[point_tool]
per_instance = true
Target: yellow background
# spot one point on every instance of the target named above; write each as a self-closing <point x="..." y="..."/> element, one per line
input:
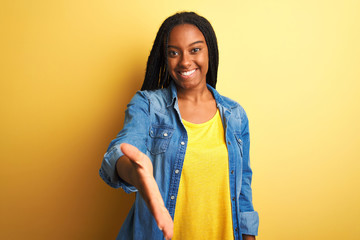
<point x="68" y="69"/>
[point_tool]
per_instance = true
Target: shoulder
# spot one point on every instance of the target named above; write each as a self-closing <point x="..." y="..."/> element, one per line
<point x="228" y="103"/>
<point x="150" y="96"/>
<point x="233" y="106"/>
<point x="238" y="119"/>
<point x="153" y="95"/>
<point x="151" y="100"/>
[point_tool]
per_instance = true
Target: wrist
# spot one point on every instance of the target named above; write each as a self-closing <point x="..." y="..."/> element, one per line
<point x="248" y="237"/>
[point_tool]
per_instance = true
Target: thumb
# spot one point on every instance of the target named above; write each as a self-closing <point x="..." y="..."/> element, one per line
<point x="131" y="152"/>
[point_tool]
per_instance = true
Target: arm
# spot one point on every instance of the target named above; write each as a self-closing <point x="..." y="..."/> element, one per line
<point x="136" y="168"/>
<point x="125" y="165"/>
<point x="249" y="219"/>
<point x="134" y="132"/>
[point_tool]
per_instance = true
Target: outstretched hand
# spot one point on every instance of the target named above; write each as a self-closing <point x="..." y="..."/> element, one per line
<point x="145" y="183"/>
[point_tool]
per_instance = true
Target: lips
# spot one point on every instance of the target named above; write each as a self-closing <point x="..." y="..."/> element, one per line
<point x="187" y="73"/>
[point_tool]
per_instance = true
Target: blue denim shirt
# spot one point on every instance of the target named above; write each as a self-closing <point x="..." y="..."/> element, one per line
<point x="153" y="125"/>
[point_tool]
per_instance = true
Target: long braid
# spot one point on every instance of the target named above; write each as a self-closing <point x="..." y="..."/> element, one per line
<point x="156" y="75"/>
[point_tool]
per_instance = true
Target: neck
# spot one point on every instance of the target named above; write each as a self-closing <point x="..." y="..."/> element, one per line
<point x="194" y="95"/>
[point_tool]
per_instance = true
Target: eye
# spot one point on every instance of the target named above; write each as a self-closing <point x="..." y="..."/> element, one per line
<point x="172" y="53"/>
<point x="195" y="50"/>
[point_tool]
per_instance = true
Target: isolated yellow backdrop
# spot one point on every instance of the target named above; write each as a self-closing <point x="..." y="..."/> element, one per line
<point x="68" y="69"/>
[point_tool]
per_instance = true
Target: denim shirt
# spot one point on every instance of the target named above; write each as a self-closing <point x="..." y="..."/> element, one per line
<point x="153" y="125"/>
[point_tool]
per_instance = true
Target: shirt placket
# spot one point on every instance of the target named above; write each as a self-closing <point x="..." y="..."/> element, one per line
<point x="175" y="176"/>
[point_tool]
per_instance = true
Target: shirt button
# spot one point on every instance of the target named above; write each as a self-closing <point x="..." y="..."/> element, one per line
<point x="172" y="197"/>
<point x="229" y="142"/>
<point x="232" y="171"/>
<point x="236" y="229"/>
<point x="177" y="171"/>
<point x="233" y="198"/>
<point x="165" y="134"/>
<point x="182" y="143"/>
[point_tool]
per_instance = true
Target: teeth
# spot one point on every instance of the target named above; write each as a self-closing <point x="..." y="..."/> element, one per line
<point x="187" y="73"/>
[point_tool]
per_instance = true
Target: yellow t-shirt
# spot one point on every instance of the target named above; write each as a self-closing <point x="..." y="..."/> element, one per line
<point x="203" y="205"/>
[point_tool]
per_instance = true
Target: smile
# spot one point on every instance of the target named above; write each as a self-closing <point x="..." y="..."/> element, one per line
<point x="188" y="73"/>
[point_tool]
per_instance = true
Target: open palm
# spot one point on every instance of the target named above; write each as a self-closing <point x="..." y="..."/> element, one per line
<point x="145" y="183"/>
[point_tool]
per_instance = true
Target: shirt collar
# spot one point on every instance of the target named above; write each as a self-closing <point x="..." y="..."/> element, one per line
<point x="218" y="98"/>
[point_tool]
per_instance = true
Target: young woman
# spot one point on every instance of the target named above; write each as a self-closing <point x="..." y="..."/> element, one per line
<point x="184" y="148"/>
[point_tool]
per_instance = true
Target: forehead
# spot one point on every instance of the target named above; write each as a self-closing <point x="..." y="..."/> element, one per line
<point x="185" y="34"/>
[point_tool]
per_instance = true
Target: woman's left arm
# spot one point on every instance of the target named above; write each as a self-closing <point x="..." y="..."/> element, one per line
<point x="249" y="219"/>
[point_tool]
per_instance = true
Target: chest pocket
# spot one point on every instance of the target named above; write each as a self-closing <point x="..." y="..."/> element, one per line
<point x="240" y="142"/>
<point x="159" y="140"/>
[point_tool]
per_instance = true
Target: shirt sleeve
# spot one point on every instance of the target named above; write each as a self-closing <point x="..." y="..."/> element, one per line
<point x="249" y="219"/>
<point x="135" y="131"/>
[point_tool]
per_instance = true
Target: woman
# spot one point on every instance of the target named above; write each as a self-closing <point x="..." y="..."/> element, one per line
<point x="184" y="148"/>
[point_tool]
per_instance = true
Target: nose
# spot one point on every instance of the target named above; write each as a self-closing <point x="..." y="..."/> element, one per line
<point x="185" y="60"/>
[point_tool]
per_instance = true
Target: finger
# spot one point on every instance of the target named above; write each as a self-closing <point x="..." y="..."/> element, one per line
<point x="165" y="223"/>
<point x="131" y="152"/>
<point x="168" y="231"/>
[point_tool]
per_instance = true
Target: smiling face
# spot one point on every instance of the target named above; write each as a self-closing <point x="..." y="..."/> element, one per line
<point x="188" y="57"/>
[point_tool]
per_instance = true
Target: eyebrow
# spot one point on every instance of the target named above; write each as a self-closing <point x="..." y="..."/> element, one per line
<point x="172" y="46"/>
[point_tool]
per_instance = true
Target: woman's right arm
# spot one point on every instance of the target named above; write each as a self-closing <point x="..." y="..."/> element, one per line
<point x="136" y="169"/>
<point x="134" y="132"/>
<point x="125" y="165"/>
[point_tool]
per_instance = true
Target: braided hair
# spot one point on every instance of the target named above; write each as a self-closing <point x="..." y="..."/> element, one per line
<point x="156" y="75"/>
